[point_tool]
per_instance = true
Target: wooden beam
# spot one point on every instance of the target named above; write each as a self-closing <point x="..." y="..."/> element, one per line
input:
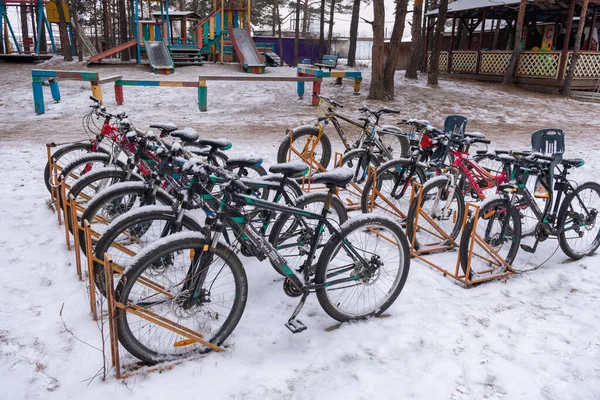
<point x="565" y="50"/>
<point x="576" y="50"/>
<point x="451" y="45"/>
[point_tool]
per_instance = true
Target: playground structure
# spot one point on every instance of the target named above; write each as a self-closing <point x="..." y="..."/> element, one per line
<point x="32" y="48"/>
<point x="179" y="38"/>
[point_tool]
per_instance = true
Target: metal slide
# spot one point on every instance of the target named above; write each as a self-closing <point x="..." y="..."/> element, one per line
<point x="244" y="48"/>
<point x="159" y="57"/>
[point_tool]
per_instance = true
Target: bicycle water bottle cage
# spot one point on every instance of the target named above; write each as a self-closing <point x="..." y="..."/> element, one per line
<point x="455" y="124"/>
<point x="551" y="142"/>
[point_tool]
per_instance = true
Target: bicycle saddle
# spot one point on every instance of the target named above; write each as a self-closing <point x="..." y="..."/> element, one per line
<point x="186" y="135"/>
<point x="242" y="162"/>
<point x="339" y="177"/>
<point x="164" y="128"/>
<point x="572" y="162"/>
<point x="220" y="144"/>
<point x="289" y="168"/>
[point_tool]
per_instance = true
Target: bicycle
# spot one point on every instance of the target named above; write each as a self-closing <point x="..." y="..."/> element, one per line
<point x="201" y="282"/>
<point x="311" y="141"/>
<point x="570" y="213"/>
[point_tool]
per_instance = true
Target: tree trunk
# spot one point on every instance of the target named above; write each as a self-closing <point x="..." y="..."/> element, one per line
<point x="415" y="44"/>
<point x="432" y="77"/>
<point x="33" y="24"/>
<point x="393" y="53"/>
<point x="64" y="35"/>
<point x="273" y="21"/>
<point x="376" y="91"/>
<point x="296" y="33"/>
<point x="322" y="31"/>
<point x="42" y="39"/>
<point x="353" y="33"/>
<point x="330" y="34"/>
<point x="279" y="30"/>
<point x="106" y="26"/>
<point x="24" y="28"/>
<point x="576" y="50"/>
<point x="305" y="18"/>
<point x="512" y="65"/>
<point x="123" y="22"/>
<point x="511" y="34"/>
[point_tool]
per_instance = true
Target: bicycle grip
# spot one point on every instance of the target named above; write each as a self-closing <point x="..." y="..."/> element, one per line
<point x="483" y="141"/>
<point x="92" y="98"/>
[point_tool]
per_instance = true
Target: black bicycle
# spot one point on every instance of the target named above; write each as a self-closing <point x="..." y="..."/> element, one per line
<point x="200" y="282"/>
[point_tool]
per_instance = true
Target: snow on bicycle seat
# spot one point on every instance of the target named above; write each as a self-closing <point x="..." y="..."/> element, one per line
<point x="186" y="135"/>
<point x="289" y="168"/>
<point x="506" y="158"/>
<point x="221" y="144"/>
<point x="165" y="127"/>
<point x="573" y="162"/>
<point x="242" y="162"/>
<point x="477" y="135"/>
<point x="338" y="177"/>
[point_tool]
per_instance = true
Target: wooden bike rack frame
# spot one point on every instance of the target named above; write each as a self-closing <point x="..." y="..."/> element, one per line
<point x="476" y="239"/>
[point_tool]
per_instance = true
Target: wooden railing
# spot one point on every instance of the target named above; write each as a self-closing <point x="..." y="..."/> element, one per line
<point x="531" y="64"/>
<point x="494" y="62"/>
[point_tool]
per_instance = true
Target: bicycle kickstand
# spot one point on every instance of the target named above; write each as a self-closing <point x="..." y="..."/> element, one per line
<point x="294" y="325"/>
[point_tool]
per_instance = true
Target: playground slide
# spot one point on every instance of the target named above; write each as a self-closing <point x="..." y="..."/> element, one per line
<point x="245" y="49"/>
<point x="159" y="58"/>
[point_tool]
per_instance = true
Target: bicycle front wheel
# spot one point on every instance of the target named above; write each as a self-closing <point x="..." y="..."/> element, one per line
<point x="214" y="313"/>
<point x="363" y="270"/>
<point x="579" y="230"/>
<point x="442" y="214"/>
<point x="499" y="226"/>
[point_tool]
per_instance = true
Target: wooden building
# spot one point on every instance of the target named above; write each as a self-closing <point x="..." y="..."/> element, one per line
<point x="479" y="44"/>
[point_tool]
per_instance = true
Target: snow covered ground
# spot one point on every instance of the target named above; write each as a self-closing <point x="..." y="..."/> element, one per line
<point x="533" y="336"/>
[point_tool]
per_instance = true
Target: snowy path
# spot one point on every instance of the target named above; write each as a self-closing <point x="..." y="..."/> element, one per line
<point x="533" y="336"/>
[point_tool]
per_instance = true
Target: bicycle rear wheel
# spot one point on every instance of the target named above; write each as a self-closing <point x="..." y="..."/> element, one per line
<point x="302" y="137"/>
<point x="578" y="223"/>
<point x="373" y="255"/>
<point x="214" y="314"/>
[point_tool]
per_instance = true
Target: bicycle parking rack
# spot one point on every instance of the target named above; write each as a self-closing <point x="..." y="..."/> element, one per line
<point x="448" y="243"/>
<point x="307" y="156"/>
<point x="110" y="268"/>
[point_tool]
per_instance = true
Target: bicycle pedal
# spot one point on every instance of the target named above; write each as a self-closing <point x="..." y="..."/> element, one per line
<point x="527" y="248"/>
<point x="295" y="326"/>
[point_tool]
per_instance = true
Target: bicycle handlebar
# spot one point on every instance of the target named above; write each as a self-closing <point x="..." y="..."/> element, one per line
<point x="327" y="99"/>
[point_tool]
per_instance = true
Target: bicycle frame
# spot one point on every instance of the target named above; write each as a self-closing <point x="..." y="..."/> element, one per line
<point x="475" y="173"/>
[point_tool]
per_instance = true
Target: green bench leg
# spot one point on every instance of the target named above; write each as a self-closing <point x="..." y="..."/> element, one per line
<point x="38" y="97"/>
<point x="202" y="96"/>
<point x="300" y="89"/>
<point x="54" y="90"/>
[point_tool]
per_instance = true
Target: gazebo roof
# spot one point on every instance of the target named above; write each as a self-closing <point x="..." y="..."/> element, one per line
<point x="462" y="5"/>
<point x="547" y="10"/>
<point x="178" y="15"/>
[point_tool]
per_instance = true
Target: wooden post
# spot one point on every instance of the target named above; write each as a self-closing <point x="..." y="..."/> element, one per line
<point x="91" y="273"/>
<point x="589" y="41"/>
<point x="565" y="49"/>
<point x="112" y="319"/>
<point x="300" y="89"/>
<point x="38" y="95"/>
<point x="451" y="45"/>
<point x="119" y="94"/>
<point x="97" y="91"/>
<point x="202" y="96"/>
<point x="576" y="50"/>
<point x="75" y="227"/>
<point x="54" y="89"/>
<point x="514" y="58"/>
<point x="357" y="82"/>
<point x="478" y="66"/>
<point x="248" y="20"/>
<point x="222" y="36"/>
<point x="316" y="90"/>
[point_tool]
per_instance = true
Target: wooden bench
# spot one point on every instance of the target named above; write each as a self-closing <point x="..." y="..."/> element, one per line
<point x="329" y="62"/>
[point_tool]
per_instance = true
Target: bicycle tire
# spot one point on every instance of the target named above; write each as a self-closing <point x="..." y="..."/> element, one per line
<point x="381" y="173"/>
<point x="563" y="213"/>
<point x="114" y="192"/>
<point x="302" y="131"/>
<point x="402" y="142"/>
<point x="127" y="222"/>
<point x="497" y="206"/>
<point x="438" y="182"/>
<point x="332" y="250"/>
<point x="61" y="152"/>
<point x="178" y="242"/>
<point x="277" y="237"/>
